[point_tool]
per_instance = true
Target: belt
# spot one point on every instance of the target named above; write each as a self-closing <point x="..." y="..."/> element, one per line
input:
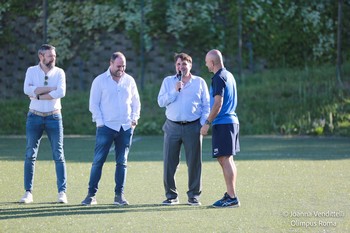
<point x="44" y="114"/>
<point x="184" y="122"/>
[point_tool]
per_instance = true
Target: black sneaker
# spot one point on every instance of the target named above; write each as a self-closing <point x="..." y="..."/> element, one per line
<point x="120" y="200"/>
<point x="227" y="201"/>
<point x="193" y="202"/>
<point x="171" y="201"/>
<point x="89" y="200"/>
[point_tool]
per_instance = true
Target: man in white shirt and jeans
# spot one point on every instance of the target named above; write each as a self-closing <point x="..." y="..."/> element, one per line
<point x="45" y="85"/>
<point x="115" y="107"/>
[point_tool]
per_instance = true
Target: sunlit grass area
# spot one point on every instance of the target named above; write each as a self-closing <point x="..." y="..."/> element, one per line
<point x="285" y="184"/>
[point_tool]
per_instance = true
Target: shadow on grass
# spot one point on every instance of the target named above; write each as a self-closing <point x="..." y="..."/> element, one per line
<point x="150" y="148"/>
<point x="55" y="209"/>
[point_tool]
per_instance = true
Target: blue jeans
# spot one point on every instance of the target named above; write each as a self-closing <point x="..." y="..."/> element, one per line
<point x="122" y="141"/>
<point x="35" y="126"/>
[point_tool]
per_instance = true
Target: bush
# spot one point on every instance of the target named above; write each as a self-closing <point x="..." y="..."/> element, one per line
<point x="282" y="101"/>
<point x="286" y="101"/>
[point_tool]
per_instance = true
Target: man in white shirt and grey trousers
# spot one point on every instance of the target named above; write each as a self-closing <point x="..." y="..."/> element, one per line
<point x="186" y="99"/>
<point x="115" y="107"/>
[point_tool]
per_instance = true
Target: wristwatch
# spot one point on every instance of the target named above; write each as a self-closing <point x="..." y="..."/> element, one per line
<point x="207" y="122"/>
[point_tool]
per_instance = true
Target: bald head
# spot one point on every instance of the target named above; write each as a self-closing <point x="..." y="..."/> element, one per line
<point x="213" y="60"/>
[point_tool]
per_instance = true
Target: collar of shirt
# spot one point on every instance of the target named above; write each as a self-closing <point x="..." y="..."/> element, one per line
<point x="109" y="75"/>
<point x="179" y="78"/>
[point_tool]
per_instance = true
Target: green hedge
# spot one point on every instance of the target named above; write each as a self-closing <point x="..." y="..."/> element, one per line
<point x="304" y="102"/>
<point x="283" y="101"/>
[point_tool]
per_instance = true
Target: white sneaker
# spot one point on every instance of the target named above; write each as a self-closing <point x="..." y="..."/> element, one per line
<point x="62" y="197"/>
<point x="27" y="198"/>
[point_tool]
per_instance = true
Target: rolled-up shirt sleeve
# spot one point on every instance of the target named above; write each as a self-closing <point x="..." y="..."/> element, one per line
<point x="60" y="91"/>
<point x="34" y="79"/>
<point x="29" y="87"/>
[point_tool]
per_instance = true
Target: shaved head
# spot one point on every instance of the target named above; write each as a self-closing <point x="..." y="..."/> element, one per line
<point x="213" y="60"/>
<point x="215" y="56"/>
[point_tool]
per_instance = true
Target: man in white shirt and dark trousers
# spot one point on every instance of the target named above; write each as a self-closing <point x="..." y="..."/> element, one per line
<point x="115" y="107"/>
<point x="186" y="99"/>
<point x="45" y="85"/>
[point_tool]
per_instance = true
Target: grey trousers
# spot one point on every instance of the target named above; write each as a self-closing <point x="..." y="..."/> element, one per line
<point x="189" y="136"/>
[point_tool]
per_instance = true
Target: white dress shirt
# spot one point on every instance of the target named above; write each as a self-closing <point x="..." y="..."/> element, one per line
<point x="35" y="77"/>
<point x="114" y="104"/>
<point x="190" y="104"/>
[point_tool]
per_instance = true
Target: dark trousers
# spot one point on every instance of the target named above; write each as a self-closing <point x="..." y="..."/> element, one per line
<point x="174" y="136"/>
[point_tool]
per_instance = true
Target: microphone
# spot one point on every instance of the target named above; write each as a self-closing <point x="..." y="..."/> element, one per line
<point x="179" y="75"/>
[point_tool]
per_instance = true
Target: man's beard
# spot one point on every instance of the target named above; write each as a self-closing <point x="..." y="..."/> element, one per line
<point x="49" y="64"/>
<point x="117" y="74"/>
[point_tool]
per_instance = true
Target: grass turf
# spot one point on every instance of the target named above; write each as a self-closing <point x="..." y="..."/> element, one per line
<point x="285" y="184"/>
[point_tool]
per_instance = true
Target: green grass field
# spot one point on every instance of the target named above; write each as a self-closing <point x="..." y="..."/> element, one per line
<point x="285" y="184"/>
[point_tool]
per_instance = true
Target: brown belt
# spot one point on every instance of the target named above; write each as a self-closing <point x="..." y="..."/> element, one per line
<point x="44" y="114"/>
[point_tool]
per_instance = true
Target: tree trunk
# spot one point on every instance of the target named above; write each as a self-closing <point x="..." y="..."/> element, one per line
<point x="339" y="38"/>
